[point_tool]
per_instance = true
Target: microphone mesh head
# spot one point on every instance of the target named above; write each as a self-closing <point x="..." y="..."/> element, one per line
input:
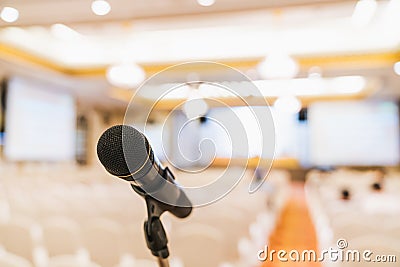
<point x="122" y="150"/>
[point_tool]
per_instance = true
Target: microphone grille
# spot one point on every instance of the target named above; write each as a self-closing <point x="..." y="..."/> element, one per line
<point x="122" y="150"/>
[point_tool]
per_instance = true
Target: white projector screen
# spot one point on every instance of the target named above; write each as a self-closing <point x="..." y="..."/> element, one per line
<point x="354" y="133"/>
<point x="40" y="122"/>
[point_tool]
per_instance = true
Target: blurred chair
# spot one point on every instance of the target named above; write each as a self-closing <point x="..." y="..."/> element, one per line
<point x="379" y="245"/>
<point x="198" y="245"/>
<point x="134" y="243"/>
<point x="82" y="207"/>
<point x="48" y="205"/>
<point x="176" y="262"/>
<point x="102" y="239"/>
<point x="173" y="262"/>
<point x="392" y="184"/>
<point x="267" y="220"/>
<point x="393" y="231"/>
<point x="258" y="234"/>
<point x="20" y="237"/>
<point x="21" y="204"/>
<point x="233" y="264"/>
<point x="247" y="249"/>
<point x="354" y="226"/>
<point x="11" y="260"/>
<point x="217" y="216"/>
<point x="5" y="212"/>
<point x="145" y="263"/>
<point x="61" y="236"/>
<point x="70" y="261"/>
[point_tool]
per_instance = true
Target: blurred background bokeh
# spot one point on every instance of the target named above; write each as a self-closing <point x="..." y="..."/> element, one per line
<point x="329" y="71"/>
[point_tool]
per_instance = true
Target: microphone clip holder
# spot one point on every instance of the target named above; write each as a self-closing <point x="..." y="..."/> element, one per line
<point x="155" y="235"/>
<point x="156" y="238"/>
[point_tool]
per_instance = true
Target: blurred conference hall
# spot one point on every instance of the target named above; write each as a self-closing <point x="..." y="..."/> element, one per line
<point x="276" y="122"/>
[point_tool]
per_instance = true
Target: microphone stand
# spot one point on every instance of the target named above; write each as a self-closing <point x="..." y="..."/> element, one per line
<point x="163" y="262"/>
<point x="155" y="235"/>
<point x="154" y="232"/>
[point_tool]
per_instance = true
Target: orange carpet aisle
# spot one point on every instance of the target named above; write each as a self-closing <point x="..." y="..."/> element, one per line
<point x="294" y="230"/>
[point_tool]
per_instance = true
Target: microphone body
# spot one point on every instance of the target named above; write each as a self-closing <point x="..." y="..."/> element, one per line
<point x="126" y="153"/>
<point x="160" y="184"/>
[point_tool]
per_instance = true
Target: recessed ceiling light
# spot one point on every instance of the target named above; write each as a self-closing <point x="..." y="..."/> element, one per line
<point x="101" y="7"/>
<point x="125" y="75"/>
<point x="195" y="106"/>
<point x="396" y="68"/>
<point x="288" y="104"/>
<point x="9" y="14"/>
<point x="278" y="66"/>
<point x="206" y="2"/>
<point x="314" y="72"/>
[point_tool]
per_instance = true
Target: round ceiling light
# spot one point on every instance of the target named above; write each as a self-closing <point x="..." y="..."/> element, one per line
<point x="9" y="14"/>
<point x="195" y="106"/>
<point x="125" y="75"/>
<point x="101" y="7"/>
<point x="206" y="2"/>
<point x="288" y="104"/>
<point x="396" y="68"/>
<point x="278" y="66"/>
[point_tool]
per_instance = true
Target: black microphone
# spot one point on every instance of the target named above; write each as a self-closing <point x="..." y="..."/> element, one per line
<point x="126" y="153"/>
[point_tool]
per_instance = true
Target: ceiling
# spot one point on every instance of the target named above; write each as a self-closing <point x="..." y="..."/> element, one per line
<point x="65" y="40"/>
<point x="301" y="31"/>
<point x="39" y="12"/>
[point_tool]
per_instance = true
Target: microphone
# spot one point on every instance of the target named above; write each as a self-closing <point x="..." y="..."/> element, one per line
<point x="126" y="153"/>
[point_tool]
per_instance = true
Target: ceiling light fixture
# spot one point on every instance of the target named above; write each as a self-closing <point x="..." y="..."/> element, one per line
<point x="195" y="106"/>
<point x="299" y="87"/>
<point x="101" y="7"/>
<point x="396" y="67"/>
<point x="288" y="104"/>
<point x="278" y="66"/>
<point x="9" y="14"/>
<point x="315" y="72"/>
<point x="125" y="75"/>
<point x="206" y="2"/>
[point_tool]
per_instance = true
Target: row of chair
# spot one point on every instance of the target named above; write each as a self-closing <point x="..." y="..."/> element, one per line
<point x="340" y="205"/>
<point x="99" y="219"/>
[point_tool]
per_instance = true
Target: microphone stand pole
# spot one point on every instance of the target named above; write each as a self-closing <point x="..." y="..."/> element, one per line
<point x="163" y="262"/>
<point x="155" y="235"/>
